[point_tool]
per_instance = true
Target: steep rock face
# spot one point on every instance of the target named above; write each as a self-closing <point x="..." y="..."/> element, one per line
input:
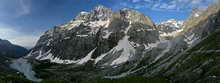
<point x="102" y="36"/>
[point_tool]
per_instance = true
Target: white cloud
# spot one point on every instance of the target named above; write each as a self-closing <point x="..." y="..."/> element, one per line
<point x="164" y="6"/>
<point x="173" y="6"/>
<point x="134" y="1"/>
<point x="147" y="0"/>
<point x="196" y="2"/>
<point x="170" y="5"/>
<point x="25" y="7"/>
<point x="156" y="5"/>
<point x="124" y="4"/>
<point x="16" y="37"/>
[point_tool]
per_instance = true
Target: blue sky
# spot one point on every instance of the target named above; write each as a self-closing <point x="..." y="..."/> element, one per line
<point x="23" y="21"/>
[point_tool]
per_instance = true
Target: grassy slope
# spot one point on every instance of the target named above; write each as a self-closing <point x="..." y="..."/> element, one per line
<point x="200" y="62"/>
<point x="13" y="79"/>
<point x="130" y="79"/>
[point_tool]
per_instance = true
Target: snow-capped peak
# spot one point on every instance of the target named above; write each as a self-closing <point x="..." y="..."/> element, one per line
<point x="100" y="13"/>
<point x="196" y="12"/>
<point x="84" y="12"/>
<point x="172" y="22"/>
<point x="196" y="15"/>
<point x="99" y="8"/>
<point x="170" y="27"/>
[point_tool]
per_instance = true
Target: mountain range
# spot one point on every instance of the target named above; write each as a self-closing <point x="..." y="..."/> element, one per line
<point x="107" y="44"/>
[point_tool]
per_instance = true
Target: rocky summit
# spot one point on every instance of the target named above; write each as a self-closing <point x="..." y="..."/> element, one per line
<point x="103" y="44"/>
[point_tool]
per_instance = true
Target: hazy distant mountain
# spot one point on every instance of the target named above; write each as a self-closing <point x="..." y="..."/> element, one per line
<point x="114" y="44"/>
<point x="10" y="50"/>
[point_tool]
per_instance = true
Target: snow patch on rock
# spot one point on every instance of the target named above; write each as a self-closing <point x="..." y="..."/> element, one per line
<point x="172" y="34"/>
<point x="127" y="53"/>
<point x="107" y="34"/>
<point x="49" y="56"/>
<point x="151" y="45"/>
<point x="86" y="58"/>
<point x="82" y="35"/>
<point x="99" y="23"/>
<point x="72" y="24"/>
<point x="190" y="40"/>
<point x="100" y="58"/>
